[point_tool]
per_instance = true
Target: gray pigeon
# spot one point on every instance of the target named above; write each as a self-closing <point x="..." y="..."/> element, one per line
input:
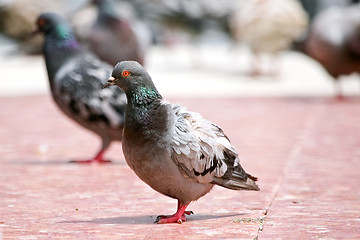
<point x="112" y="37"/>
<point x="174" y="151"/>
<point x="75" y="77"/>
<point x="268" y="27"/>
<point x="334" y="41"/>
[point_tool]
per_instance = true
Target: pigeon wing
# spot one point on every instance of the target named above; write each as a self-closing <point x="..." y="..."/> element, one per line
<point x="200" y="148"/>
<point x="204" y="153"/>
<point x="78" y="87"/>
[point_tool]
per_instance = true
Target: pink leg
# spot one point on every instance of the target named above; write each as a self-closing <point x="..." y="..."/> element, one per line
<point x="275" y="66"/>
<point x="178" y="217"/>
<point x="97" y="159"/>
<point x="339" y="96"/>
<point x="186" y="212"/>
<point x="255" y="65"/>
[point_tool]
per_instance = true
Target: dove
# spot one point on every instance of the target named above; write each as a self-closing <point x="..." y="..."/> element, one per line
<point x="176" y="152"/>
<point x="268" y="26"/>
<point x="334" y="41"/>
<point x="76" y="77"/>
<point x="112" y="38"/>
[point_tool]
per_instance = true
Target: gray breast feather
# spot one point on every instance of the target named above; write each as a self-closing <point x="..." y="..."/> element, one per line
<point x="198" y="146"/>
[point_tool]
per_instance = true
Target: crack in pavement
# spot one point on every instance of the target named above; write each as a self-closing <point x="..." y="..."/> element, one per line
<point x="309" y="125"/>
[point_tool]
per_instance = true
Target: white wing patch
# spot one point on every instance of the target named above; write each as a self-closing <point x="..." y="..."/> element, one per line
<point x="199" y="146"/>
<point x="112" y="115"/>
<point x="68" y="68"/>
<point x="80" y="90"/>
<point x="99" y="73"/>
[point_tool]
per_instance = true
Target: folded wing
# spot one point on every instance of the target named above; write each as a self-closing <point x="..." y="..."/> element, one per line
<point x="204" y="153"/>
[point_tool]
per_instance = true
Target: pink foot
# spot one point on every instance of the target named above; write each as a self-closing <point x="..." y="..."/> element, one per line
<point x="90" y="161"/>
<point x="255" y="73"/>
<point x="178" y="217"/>
<point x="170" y="219"/>
<point x="97" y="159"/>
<point x="189" y="212"/>
<point x="339" y="98"/>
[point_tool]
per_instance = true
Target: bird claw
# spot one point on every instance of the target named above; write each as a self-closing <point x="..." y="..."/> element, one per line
<point x="188" y="212"/>
<point x="170" y="219"/>
<point x="157" y="219"/>
<point x="97" y="159"/>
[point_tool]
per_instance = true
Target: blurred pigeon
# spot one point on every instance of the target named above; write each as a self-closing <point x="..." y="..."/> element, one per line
<point x="313" y="7"/>
<point x="268" y="26"/>
<point x="112" y="37"/>
<point x="75" y="77"/>
<point x="196" y="17"/>
<point x="174" y="151"/>
<point x="334" y="41"/>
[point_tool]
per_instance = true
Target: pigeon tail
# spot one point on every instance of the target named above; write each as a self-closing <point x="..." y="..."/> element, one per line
<point x="238" y="179"/>
<point x="249" y="184"/>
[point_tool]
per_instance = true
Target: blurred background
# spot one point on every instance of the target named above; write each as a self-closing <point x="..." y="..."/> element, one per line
<point x="201" y="48"/>
<point x="269" y="72"/>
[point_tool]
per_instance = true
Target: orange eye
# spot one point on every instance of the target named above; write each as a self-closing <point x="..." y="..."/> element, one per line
<point x="41" y="22"/>
<point x="125" y="73"/>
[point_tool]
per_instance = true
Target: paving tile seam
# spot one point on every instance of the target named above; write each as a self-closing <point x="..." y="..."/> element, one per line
<point x="309" y="124"/>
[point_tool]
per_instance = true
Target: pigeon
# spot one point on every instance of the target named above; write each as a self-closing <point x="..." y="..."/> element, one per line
<point x="334" y="41"/>
<point x="176" y="152"/>
<point x="268" y="26"/>
<point x="112" y="38"/>
<point x="76" y="76"/>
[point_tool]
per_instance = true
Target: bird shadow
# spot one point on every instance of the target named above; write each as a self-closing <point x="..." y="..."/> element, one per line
<point x="148" y="219"/>
<point x="248" y="76"/>
<point x="38" y="162"/>
<point x="331" y="100"/>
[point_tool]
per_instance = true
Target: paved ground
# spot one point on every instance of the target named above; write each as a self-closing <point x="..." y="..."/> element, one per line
<point x="305" y="152"/>
<point x="302" y="145"/>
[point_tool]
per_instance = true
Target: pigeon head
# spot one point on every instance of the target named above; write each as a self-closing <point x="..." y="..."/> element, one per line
<point x="104" y="6"/>
<point x="128" y="75"/>
<point x="57" y="31"/>
<point x="96" y="2"/>
<point x="59" y="42"/>
<point x="136" y="82"/>
<point x="49" y="23"/>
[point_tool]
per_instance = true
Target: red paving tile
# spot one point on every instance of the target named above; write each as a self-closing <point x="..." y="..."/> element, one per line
<point x="305" y="152"/>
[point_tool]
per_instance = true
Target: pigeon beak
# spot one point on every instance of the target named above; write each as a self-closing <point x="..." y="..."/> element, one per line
<point x="33" y="33"/>
<point x="110" y="82"/>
